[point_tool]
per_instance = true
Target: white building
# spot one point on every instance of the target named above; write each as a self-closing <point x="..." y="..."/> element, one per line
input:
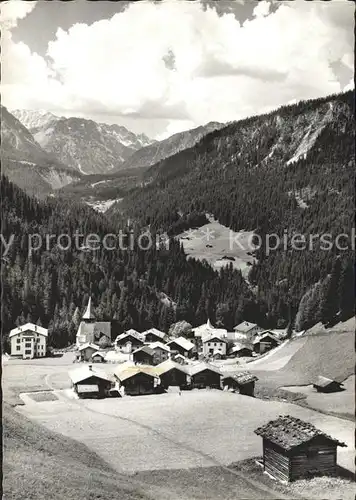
<point x="214" y="344"/>
<point x="249" y="330"/>
<point x="28" y="341"/>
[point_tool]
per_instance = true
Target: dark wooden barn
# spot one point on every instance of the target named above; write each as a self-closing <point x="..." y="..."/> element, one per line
<point x="202" y="376"/>
<point x="137" y="379"/>
<point x="143" y="355"/>
<point x="265" y="343"/>
<point x="172" y="374"/>
<point x="323" y="384"/>
<point x="90" y="383"/>
<point x="243" y="383"/>
<point x="293" y="449"/>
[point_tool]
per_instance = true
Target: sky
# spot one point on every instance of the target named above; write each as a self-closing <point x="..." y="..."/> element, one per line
<point x="160" y="67"/>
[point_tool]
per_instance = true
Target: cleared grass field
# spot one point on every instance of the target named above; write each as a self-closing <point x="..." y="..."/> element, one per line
<point x="219" y="246"/>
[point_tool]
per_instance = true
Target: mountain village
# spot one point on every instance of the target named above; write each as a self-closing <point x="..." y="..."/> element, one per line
<point x="150" y="363"/>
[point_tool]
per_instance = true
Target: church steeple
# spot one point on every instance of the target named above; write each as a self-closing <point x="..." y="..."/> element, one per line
<point x="89" y="315"/>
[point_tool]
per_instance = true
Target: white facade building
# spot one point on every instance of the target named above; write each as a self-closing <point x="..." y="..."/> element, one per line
<point x="29" y="341"/>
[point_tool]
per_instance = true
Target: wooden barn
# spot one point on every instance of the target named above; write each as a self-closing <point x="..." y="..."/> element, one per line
<point x="324" y="384"/>
<point x="98" y="357"/>
<point x="172" y="374"/>
<point x="128" y="341"/>
<point x="91" y="383"/>
<point x="264" y="343"/>
<point x="294" y="449"/>
<point x="241" y="350"/>
<point x="87" y="350"/>
<point x="143" y="355"/>
<point x="243" y="383"/>
<point x="161" y="352"/>
<point x="182" y="346"/>
<point x="154" y="335"/>
<point x="203" y="375"/>
<point x="137" y="380"/>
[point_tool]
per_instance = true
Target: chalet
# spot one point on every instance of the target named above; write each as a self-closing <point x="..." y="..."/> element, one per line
<point x="264" y="343"/>
<point x="213" y="344"/>
<point x="202" y="331"/>
<point x="203" y="375"/>
<point x="241" y="350"/>
<point x="161" y="352"/>
<point x="178" y="358"/>
<point x="249" y="330"/>
<point x="28" y="341"/>
<point x="90" y="382"/>
<point x="323" y="384"/>
<point x="90" y="330"/>
<point x="136" y="380"/>
<point x="144" y="355"/>
<point x="182" y="346"/>
<point x="171" y="373"/>
<point x="154" y="335"/>
<point x="293" y="449"/>
<point x="243" y="383"/>
<point x="128" y="341"/>
<point x="98" y="357"/>
<point x="86" y="351"/>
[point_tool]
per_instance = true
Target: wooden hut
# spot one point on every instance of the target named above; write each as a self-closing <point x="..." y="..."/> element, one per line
<point x="324" y="384"/>
<point x="243" y="383"/>
<point x="203" y="375"/>
<point x="87" y="350"/>
<point x="294" y="449"/>
<point x="172" y="374"/>
<point x="90" y="382"/>
<point x="143" y="355"/>
<point x="265" y="342"/>
<point x="182" y="346"/>
<point x="241" y="350"/>
<point x="98" y="357"/>
<point x="136" y="379"/>
<point x="154" y="335"/>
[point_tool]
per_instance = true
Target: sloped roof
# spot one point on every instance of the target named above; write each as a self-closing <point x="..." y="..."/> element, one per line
<point x="129" y="333"/>
<point x="155" y="332"/>
<point x="29" y="326"/>
<point x="238" y="347"/>
<point x="168" y="365"/>
<point x="245" y="326"/>
<point x="289" y="432"/>
<point x="184" y="343"/>
<point x="102" y="354"/>
<point x="159" y="345"/>
<point x="242" y="377"/>
<point x="206" y="329"/>
<point x="84" y="372"/>
<point x="126" y="372"/>
<point x="88" y="314"/>
<point x="264" y="336"/>
<point x="95" y="329"/>
<point x="145" y="349"/>
<point x="324" y="381"/>
<point x="88" y="344"/>
<point x="200" y="367"/>
<point x="213" y="336"/>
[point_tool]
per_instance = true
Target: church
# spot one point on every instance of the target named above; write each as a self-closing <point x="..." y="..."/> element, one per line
<point x="90" y="330"/>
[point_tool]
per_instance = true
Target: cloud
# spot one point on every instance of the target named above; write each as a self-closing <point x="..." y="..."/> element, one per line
<point x="262" y="9"/>
<point x="183" y="62"/>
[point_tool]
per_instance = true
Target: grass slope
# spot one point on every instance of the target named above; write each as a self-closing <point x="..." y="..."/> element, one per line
<point x="39" y="464"/>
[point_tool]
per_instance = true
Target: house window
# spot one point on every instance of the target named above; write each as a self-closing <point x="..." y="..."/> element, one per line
<point x="18" y="348"/>
<point x="18" y="341"/>
<point x="28" y="351"/>
<point x="214" y="344"/>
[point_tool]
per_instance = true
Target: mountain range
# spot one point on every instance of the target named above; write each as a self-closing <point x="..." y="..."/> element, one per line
<point x="26" y="163"/>
<point x="85" y="145"/>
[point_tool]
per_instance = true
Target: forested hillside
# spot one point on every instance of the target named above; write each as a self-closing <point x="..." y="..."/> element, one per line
<point x="287" y="172"/>
<point x="127" y="286"/>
